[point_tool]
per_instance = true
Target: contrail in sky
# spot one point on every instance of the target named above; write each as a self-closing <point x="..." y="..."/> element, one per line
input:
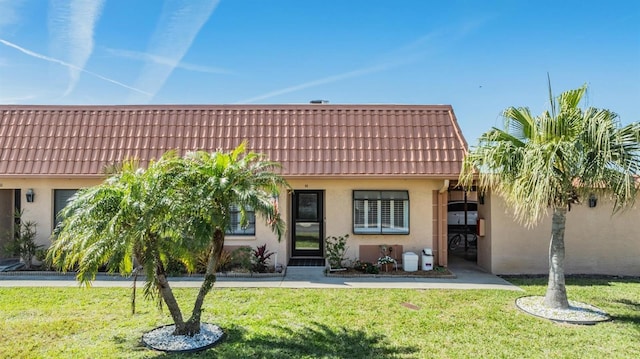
<point x="160" y="60"/>
<point x="179" y="24"/>
<point x="68" y="65"/>
<point x="12" y="100"/>
<point x="71" y="25"/>
<point x="409" y="53"/>
<point x="326" y="80"/>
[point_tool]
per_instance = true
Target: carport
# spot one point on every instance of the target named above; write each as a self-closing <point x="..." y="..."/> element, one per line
<point x="462" y="223"/>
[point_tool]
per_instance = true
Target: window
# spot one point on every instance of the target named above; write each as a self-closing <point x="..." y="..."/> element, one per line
<point x="236" y="228"/>
<point x="60" y="199"/>
<point x="381" y="212"/>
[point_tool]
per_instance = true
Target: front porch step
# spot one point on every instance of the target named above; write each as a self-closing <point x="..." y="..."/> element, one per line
<point x="306" y="262"/>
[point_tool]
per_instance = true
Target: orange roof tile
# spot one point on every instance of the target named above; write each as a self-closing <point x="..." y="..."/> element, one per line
<point x="308" y="140"/>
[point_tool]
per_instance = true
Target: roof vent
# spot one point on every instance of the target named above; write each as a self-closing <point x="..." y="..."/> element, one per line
<point x="318" y="102"/>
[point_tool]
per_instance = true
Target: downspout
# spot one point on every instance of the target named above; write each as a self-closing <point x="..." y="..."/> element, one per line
<point x="442" y="242"/>
<point x="445" y="186"/>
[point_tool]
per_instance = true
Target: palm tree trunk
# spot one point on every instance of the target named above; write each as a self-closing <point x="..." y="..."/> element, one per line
<point x="193" y="324"/>
<point x="133" y="293"/>
<point x="556" y="296"/>
<point x="170" y="300"/>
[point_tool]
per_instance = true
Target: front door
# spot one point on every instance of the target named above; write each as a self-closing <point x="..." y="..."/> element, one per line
<point x="9" y="204"/>
<point x="307" y="224"/>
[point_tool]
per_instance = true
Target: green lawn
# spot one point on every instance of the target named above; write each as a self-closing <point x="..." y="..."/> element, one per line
<point x="328" y="323"/>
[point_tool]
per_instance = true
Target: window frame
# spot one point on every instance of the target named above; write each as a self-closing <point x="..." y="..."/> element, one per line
<point x="380" y="201"/>
<point x="239" y="231"/>
<point x="56" y="210"/>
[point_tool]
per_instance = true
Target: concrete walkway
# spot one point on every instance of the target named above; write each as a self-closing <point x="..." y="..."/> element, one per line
<point x="468" y="276"/>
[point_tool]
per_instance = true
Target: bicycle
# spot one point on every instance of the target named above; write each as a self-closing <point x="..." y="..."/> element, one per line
<point x="458" y="238"/>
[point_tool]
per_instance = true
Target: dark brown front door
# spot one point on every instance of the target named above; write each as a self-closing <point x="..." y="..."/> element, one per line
<point x="307" y="226"/>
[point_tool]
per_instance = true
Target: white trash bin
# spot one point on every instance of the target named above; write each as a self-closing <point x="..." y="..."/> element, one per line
<point x="427" y="259"/>
<point x="409" y="261"/>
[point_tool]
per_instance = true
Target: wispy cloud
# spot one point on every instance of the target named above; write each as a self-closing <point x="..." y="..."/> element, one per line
<point x="70" y="66"/>
<point x="71" y="27"/>
<point x="178" y="26"/>
<point x="8" y="12"/>
<point x="160" y="60"/>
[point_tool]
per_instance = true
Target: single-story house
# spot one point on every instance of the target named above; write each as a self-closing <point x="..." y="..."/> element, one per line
<point x="377" y="172"/>
<point x="381" y="173"/>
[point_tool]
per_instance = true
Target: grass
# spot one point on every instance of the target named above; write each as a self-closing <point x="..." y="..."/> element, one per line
<point x="328" y="323"/>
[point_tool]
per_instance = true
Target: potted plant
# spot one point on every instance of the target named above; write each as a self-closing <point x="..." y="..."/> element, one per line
<point x="386" y="263"/>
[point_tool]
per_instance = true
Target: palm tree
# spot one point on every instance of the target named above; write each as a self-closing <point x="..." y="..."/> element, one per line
<point x="176" y="208"/>
<point x="554" y="161"/>
<point x="211" y="184"/>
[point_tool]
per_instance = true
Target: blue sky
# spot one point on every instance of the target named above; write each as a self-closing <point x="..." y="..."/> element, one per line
<point x="479" y="56"/>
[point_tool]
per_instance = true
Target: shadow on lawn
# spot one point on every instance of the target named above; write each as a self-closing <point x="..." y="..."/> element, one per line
<point x="586" y="280"/>
<point x="315" y="340"/>
<point x="631" y="319"/>
<point x="633" y="304"/>
<point x="634" y="313"/>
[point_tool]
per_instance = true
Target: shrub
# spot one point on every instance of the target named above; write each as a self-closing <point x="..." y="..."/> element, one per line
<point x="366" y="267"/>
<point x="336" y="247"/>
<point x="224" y="264"/>
<point x="372" y="269"/>
<point x="241" y="258"/>
<point x="46" y="264"/>
<point x="23" y="243"/>
<point x="225" y="261"/>
<point x="260" y="258"/>
<point x="174" y="267"/>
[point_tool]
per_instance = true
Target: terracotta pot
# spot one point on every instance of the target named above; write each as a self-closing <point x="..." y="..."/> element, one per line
<point x="387" y="267"/>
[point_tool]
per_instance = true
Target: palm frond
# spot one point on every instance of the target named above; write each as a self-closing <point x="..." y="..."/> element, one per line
<point x="554" y="159"/>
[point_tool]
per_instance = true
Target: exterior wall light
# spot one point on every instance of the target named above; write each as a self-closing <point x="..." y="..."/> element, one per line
<point x="30" y="195"/>
<point x="593" y="201"/>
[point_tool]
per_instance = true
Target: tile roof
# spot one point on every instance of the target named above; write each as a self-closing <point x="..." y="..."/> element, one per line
<point x="308" y="140"/>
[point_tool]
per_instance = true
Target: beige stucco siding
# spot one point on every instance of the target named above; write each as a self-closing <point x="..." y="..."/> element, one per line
<point x="41" y="209"/>
<point x="338" y="207"/>
<point x="596" y="242"/>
